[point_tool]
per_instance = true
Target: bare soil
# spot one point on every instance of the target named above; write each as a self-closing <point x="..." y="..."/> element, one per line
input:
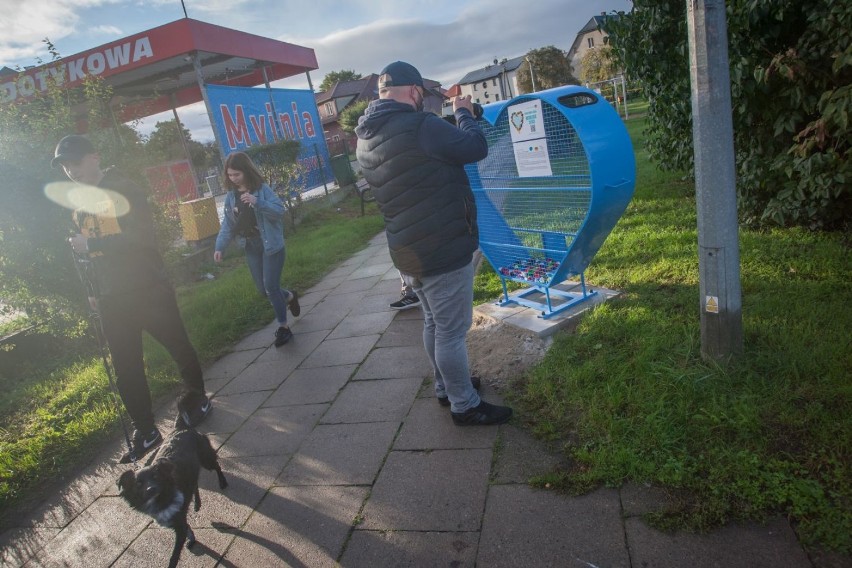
<point x="501" y="353"/>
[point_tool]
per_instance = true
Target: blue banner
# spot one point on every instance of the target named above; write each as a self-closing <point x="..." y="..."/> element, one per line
<point x="245" y="116"/>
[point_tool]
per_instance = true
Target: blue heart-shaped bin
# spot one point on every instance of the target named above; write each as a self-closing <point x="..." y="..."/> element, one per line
<point x="559" y="174"/>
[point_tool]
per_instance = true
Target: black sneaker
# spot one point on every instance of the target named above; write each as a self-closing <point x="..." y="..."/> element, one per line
<point x="193" y="410"/>
<point x="406" y="303"/>
<point x="474" y="380"/>
<point x="293" y="304"/>
<point x="141" y="445"/>
<point x="282" y="336"/>
<point x="483" y="415"/>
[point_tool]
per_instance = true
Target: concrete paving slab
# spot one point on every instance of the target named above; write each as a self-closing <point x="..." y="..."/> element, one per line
<point x="395" y="362"/>
<point x="442" y="490"/>
<point x="338" y="302"/>
<point x="310" y="299"/>
<point x="403" y="333"/>
<point x="354" y="325"/>
<point x="272" y="431"/>
<point x="328" y="283"/>
<point x="297" y="349"/>
<point x="261" y="376"/>
<point x="372" y="401"/>
<point x="351" y="286"/>
<point x="340" y="454"/>
<point x="153" y="549"/>
<point x="429" y="426"/>
<point x="249" y="479"/>
<point x="312" y="322"/>
<point x="20" y="544"/>
<point x="304" y="527"/>
<point x="260" y="339"/>
<point x="230" y="411"/>
<point x="388" y="288"/>
<point x="373" y="303"/>
<point x="96" y="538"/>
<point x="520" y="457"/>
<point x="404" y="549"/>
<point x="311" y="386"/>
<point x="344" y="271"/>
<point x="748" y="545"/>
<point x="347" y="351"/>
<point x="229" y="366"/>
<point x="524" y="528"/>
<point x="370" y="269"/>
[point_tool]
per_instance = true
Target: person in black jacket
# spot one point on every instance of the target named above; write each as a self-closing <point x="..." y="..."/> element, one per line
<point x="414" y="161"/>
<point x="130" y="291"/>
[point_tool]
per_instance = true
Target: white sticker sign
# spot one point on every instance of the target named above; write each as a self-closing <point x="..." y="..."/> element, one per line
<point x="526" y="126"/>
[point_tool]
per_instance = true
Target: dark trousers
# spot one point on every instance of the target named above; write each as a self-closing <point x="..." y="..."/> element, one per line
<point x="124" y="318"/>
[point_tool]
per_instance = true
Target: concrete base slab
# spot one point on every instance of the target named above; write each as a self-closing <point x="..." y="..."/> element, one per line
<point x="531" y="320"/>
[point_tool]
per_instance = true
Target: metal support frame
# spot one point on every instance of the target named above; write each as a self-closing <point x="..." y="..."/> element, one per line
<point x="546" y="309"/>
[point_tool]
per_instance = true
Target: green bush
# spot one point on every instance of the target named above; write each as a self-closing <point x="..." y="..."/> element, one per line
<point x="790" y="67"/>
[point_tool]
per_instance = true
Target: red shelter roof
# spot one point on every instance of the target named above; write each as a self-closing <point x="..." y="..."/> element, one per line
<point x="146" y="69"/>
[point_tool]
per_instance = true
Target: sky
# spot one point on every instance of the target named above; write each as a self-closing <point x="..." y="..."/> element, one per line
<point x="444" y="39"/>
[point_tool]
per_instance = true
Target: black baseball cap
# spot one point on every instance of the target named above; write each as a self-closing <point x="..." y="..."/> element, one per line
<point x="399" y="74"/>
<point x="72" y="149"/>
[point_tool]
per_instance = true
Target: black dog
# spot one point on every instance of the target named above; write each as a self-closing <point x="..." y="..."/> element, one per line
<point x="164" y="487"/>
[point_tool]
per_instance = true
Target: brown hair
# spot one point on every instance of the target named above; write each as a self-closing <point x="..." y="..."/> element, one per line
<point x="241" y="162"/>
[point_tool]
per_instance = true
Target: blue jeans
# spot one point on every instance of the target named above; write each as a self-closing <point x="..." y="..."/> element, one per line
<point x="266" y="272"/>
<point x="447" y="301"/>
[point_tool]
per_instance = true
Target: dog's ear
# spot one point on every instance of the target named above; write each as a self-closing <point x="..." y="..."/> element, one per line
<point x="126" y="480"/>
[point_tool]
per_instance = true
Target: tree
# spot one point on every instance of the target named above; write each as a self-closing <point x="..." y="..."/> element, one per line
<point x="791" y="69"/>
<point x="348" y="119"/>
<point x="598" y="65"/>
<point x="337" y="76"/>
<point x="551" y="68"/>
<point x="164" y="145"/>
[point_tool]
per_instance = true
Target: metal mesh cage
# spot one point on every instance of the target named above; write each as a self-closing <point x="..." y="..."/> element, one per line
<point x="536" y="191"/>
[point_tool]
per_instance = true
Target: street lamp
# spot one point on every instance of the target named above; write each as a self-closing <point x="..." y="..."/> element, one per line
<point x="532" y="75"/>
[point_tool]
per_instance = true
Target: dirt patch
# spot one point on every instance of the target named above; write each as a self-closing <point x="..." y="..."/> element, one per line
<point x="501" y="353"/>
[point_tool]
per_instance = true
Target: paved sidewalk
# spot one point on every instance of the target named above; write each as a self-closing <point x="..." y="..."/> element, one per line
<point x="337" y="453"/>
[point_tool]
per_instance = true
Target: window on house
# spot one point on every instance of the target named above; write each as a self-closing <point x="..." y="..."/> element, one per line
<point x="485" y="84"/>
<point x="494" y="82"/>
<point x="329" y="109"/>
<point x="477" y="100"/>
<point x="474" y="86"/>
<point x="496" y="97"/>
<point x="590" y="41"/>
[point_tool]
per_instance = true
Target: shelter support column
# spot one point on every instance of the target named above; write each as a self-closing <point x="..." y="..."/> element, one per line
<point x="200" y="78"/>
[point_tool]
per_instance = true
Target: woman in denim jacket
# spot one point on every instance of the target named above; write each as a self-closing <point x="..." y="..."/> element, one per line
<point x="254" y="215"/>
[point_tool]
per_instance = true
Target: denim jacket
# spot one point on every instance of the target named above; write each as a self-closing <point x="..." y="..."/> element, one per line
<point x="269" y="211"/>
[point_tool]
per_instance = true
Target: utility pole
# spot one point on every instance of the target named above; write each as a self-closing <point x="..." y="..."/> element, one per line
<point x="715" y="181"/>
<point x="532" y="75"/>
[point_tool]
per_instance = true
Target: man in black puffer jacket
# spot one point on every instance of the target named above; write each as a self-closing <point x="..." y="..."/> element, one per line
<point x="414" y="162"/>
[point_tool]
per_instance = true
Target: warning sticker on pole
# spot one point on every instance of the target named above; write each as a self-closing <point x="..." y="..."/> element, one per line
<point x="711" y="304"/>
